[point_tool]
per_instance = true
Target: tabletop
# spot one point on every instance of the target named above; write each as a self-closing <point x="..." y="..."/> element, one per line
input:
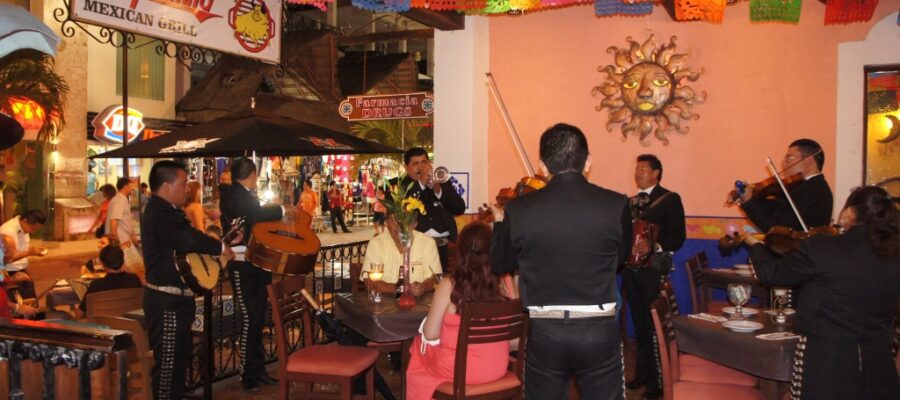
<point x="381" y="322"/>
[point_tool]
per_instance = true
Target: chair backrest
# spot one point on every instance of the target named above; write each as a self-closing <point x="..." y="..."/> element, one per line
<point x="290" y="308"/>
<point x="668" y="292"/>
<point x="114" y="303"/>
<point x="488" y="323"/>
<point x="355" y="272"/>
<point x="665" y="339"/>
<point x="693" y="267"/>
<point x="140" y="353"/>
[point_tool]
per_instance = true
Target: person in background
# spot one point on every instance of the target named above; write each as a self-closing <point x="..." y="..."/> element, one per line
<point x="387" y="250"/>
<point x="99" y="225"/>
<point x="336" y="204"/>
<point x="471" y="281"/>
<point x="850" y="285"/>
<point x="8" y="308"/>
<point x="119" y="220"/>
<point x="112" y="259"/>
<point x="379" y="212"/>
<point x="370" y="194"/>
<point x="192" y="207"/>
<point x="18" y="249"/>
<point x="143" y="195"/>
<point x="309" y="199"/>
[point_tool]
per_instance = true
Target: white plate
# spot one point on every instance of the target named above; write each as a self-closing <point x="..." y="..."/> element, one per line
<point x="742" y="266"/>
<point x="744" y="310"/>
<point x="744" y="272"/>
<point x="742" y="326"/>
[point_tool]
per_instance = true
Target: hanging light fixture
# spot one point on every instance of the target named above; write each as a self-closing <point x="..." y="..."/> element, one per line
<point x="29" y="113"/>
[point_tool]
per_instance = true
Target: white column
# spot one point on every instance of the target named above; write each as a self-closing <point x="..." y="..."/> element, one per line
<point x="461" y="59"/>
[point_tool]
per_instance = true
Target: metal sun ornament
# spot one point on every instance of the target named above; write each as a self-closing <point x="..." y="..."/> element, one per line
<point x="645" y="91"/>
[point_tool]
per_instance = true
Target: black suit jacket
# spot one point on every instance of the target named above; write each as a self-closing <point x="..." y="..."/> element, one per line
<point x="237" y="202"/>
<point x="668" y="215"/>
<point x="566" y="240"/>
<point x="439" y="213"/>
<point x="813" y="199"/>
<point x="165" y="232"/>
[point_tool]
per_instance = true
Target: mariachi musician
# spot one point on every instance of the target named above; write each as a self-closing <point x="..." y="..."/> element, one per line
<point x="248" y="281"/>
<point x="812" y="195"/>
<point x="641" y="280"/>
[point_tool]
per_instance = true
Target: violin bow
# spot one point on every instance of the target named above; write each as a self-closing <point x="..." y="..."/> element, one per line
<point x="509" y="125"/>
<point x="786" y="194"/>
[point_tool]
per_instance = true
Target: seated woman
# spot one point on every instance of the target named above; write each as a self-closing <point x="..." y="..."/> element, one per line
<point x="471" y="281"/>
<point x="849" y="286"/>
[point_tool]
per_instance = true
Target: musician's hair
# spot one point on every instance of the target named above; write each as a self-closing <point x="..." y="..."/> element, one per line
<point x="33" y="217"/>
<point x="413" y="152"/>
<point x="122" y="182"/>
<point x="242" y="168"/>
<point x="112" y="257"/>
<point x="192" y="193"/>
<point x="875" y="209"/>
<point x="654" y="162"/>
<point x="563" y="149"/>
<point x="165" y="171"/>
<point x="473" y="280"/>
<point x="807" y="147"/>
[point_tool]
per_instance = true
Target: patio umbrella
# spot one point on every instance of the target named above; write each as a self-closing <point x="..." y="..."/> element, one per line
<point x="11" y="132"/>
<point x="246" y="132"/>
<point x="21" y="30"/>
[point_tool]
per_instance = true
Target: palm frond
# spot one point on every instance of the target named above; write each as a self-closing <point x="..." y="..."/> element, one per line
<point x="29" y="74"/>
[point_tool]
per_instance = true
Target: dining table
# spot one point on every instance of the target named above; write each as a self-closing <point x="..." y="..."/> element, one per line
<point x="770" y="360"/>
<point x="720" y="278"/>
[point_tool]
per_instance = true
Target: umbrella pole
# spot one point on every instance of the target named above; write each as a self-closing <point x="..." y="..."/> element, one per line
<point x="124" y="102"/>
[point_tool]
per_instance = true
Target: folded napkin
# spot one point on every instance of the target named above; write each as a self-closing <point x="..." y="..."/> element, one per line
<point x="778" y="336"/>
<point x="708" y="317"/>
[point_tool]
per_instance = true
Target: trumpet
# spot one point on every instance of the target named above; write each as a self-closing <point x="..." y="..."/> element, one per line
<point x="437" y="175"/>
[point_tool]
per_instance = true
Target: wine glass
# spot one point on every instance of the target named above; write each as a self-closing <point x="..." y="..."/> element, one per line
<point x="738" y="295"/>
<point x="376" y="272"/>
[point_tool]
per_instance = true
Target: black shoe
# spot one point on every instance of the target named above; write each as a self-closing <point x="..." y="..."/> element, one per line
<point x="636" y="384"/>
<point x="266" y="379"/>
<point x="347" y="231"/>
<point x="250" y="386"/>
<point x="652" y="393"/>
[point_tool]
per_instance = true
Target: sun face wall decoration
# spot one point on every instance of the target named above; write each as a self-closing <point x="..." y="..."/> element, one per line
<point x="645" y="91"/>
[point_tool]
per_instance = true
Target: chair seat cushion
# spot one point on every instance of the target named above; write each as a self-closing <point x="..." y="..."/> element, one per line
<point x="508" y="381"/>
<point x="713" y="391"/>
<point x="696" y="369"/>
<point x="385" y="347"/>
<point x="332" y="360"/>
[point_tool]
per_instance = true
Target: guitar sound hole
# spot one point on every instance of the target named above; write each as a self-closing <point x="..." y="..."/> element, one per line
<point x="292" y="235"/>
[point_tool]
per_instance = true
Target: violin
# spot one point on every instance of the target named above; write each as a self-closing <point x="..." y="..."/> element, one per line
<point x="765" y="188"/>
<point x="525" y="185"/>
<point x="780" y="239"/>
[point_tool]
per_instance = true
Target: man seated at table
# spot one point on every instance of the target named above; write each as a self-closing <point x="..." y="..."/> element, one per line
<point x="385" y="249"/>
<point x="112" y="257"/>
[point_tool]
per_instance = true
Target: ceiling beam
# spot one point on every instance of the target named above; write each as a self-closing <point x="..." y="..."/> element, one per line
<point x="440" y="20"/>
<point x="395" y="36"/>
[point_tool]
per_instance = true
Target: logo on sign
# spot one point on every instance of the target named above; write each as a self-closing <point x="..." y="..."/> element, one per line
<point x="393" y="106"/>
<point x="110" y="124"/>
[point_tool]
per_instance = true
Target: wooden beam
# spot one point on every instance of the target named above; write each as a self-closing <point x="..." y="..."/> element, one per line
<point x="396" y="36"/>
<point x="440" y="20"/>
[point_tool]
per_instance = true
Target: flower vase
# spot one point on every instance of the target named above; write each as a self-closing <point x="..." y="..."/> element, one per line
<point x="406" y="300"/>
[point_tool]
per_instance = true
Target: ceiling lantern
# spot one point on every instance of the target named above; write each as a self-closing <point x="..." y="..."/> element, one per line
<point x="29" y="113"/>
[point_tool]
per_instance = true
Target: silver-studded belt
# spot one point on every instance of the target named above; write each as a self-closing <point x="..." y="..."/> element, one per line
<point x="171" y="290"/>
<point x="561" y="314"/>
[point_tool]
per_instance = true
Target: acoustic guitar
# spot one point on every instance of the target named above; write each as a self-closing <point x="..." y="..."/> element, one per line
<point x="200" y="272"/>
<point x="288" y="246"/>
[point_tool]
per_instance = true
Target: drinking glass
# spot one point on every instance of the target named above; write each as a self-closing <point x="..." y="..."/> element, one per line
<point x="437" y="279"/>
<point x="738" y="295"/>
<point x="376" y="272"/>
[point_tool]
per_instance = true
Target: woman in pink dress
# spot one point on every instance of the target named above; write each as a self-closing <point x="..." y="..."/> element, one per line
<point x="471" y="281"/>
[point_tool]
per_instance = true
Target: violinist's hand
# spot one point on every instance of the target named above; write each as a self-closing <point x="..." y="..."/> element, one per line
<point x="750" y="240"/>
<point x="748" y="194"/>
<point x="641" y="247"/>
<point x="498" y="212"/>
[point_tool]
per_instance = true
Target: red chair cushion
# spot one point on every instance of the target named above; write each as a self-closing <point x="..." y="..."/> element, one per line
<point x="332" y="360"/>
<point x="385" y="347"/>
<point x="508" y="381"/>
<point x="713" y="391"/>
<point x="696" y="369"/>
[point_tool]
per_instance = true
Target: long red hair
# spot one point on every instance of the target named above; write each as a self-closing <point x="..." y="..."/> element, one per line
<point x="473" y="280"/>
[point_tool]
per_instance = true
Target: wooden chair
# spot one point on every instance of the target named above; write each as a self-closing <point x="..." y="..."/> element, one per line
<point x="675" y="387"/>
<point x="114" y="303"/>
<point x="666" y="290"/>
<point x="699" y="300"/>
<point x="313" y="363"/>
<point x="140" y="357"/>
<point x="488" y="323"/>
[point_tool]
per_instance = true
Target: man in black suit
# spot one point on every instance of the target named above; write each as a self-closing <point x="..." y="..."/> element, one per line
<point x="169" y="305"/>
<point x="567" y="241"/>
<point x="812" y="196"/>
<point x="641" y="283"/>
<point x="248" y="281"/>
<point x="441" y="201"/>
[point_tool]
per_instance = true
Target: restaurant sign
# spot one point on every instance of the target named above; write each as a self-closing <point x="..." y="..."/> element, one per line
<point x="390" y="106"/>
<point x="109" y="124"/>
<point x="249" y="28"/>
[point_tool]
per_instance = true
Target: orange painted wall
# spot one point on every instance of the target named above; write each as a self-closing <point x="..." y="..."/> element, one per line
<point x="767" y="85"/>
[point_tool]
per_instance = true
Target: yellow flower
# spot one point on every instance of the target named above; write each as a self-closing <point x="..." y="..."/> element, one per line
<point x="413" y="204"/>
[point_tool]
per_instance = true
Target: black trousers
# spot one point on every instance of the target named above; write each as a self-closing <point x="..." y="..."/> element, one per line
<point x="169" y="318"/>
<point x="338" y="213"/>
<point x="590" y="349"/>
<point x="641" y="290"/>
<point x="249" y="284"/>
